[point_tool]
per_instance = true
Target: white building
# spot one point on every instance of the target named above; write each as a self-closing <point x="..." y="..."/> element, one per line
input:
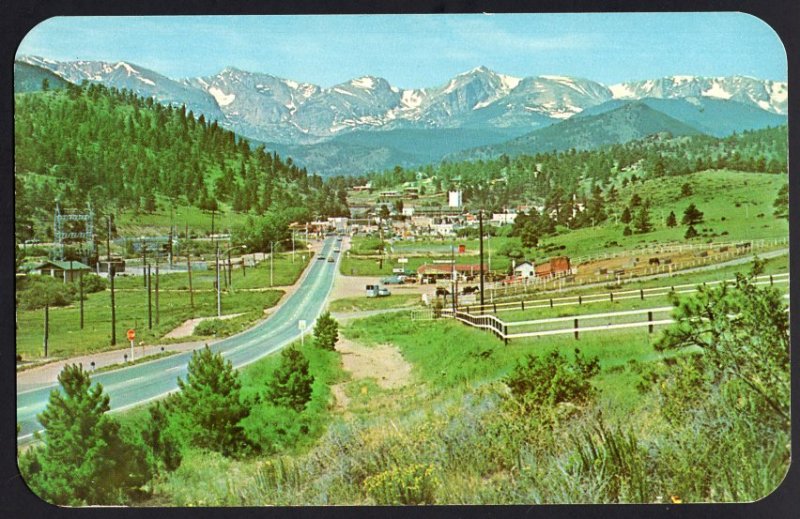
<point x="503" y="218"/>
<point x="524" y="270"/>
<point x="408" y="211"/>
<point x="454" y="199"/>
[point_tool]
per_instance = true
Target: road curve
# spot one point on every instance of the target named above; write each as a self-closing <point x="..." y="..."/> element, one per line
<point x="128" y="387"/>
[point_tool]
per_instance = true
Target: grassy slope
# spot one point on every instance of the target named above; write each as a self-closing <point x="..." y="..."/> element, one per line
<point x="66" y="337"/>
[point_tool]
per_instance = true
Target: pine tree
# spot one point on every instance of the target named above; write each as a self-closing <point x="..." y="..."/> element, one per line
<point x="642" y="221"/>
<point x="686" y="189"/>
<point x="691" y="232"/>
<point x="209" y="407"/>
<point x="672" y="221"/>
<point x="326" y="332"/>
<point x="84" y="460"/>
<point x="692" y="215"/>
<point x="291" y="383"/>
<point x="626" y="216"/>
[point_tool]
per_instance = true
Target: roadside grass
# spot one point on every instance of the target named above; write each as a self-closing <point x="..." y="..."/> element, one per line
<point x="285" y="272"/>
<point x="67" y="339"/>
<point x="361" y="304"/>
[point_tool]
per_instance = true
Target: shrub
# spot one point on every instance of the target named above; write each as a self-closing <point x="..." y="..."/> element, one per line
<point x="409" y="485"/>
<point x="93" y="283"/>
<point x="552" y="379"/>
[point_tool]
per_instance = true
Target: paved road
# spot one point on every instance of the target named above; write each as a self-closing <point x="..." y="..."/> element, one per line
<point x="135" y="385"/>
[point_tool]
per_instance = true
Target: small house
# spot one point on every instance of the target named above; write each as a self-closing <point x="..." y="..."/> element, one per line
<point x="524" y="270"/>
<point x="66" y="270"/>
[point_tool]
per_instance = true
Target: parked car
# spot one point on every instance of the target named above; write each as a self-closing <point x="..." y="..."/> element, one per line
<point x="383" y="292"/>
<point x="392" y="280"/>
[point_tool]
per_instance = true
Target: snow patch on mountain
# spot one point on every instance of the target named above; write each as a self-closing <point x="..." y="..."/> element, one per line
<point x="717" y="91"/>
<point x="130" y="70"/>
<point x="363" y="82"/>
<point x="222" y="98"/>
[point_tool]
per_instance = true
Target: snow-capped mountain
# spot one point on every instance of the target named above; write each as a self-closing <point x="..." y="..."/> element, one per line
<point x="140" y="80"/>
<point x="771" y="96"/>
<point x="485" y="105"/>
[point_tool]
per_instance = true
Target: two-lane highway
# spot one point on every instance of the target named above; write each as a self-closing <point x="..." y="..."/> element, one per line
<point x="141" y="383"/>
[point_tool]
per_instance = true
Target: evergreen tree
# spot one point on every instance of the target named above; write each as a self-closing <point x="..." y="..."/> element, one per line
<point x="691" y="232"/>
<point x="686" y="189"/>
<point x="672" y="221"/>
<point x="209" y="408"/>
<point x="84" y="459"/>
<point x="642" y="221"/>
<point x="627" y="231"/>
<point x="692" y="215"/>
<point x="781" y="203"/>
<point x="326" y="332"/>
<point x="626" y="216"/>
<point x="291" y="383"/>
<point x="635" y="199"/>
<point x="161" y="440"/>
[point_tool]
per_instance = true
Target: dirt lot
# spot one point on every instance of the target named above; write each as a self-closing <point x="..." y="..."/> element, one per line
<point x="383" y="363"/>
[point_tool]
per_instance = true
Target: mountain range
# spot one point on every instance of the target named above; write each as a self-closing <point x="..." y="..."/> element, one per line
<point x="366" y="123"/>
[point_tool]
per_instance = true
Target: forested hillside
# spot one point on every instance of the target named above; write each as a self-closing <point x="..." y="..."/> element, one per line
<point x="119" y="152"/>
<point x="497" y="183"/>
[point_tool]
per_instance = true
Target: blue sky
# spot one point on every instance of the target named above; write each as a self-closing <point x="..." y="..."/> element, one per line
<point x="413" y="51"/>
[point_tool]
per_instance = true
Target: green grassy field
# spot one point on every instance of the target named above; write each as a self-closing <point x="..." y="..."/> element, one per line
<point x="66" y="338"/>
<point x="285" y="272"/>
<point x="736" y="206"/>
<point x="360" y="304"/>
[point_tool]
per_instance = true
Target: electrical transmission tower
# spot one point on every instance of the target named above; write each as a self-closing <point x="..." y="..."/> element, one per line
<point x="74" y="226"/>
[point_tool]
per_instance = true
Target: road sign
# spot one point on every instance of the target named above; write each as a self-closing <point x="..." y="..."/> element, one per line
<point x="402" y="260"/>
<point x="301" y="324"/>
<point x="131" y="334"/>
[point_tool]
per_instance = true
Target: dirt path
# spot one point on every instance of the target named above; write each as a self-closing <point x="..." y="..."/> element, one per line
<point x="383" y="363"/>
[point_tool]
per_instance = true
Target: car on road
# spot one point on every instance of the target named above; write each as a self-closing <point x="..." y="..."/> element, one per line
<point x="383" y="292"/>
<point x="392" y="280"/>
<point x="320" y="258"/>
<point x="336" y="250"/>
<point x="330" y="259"/>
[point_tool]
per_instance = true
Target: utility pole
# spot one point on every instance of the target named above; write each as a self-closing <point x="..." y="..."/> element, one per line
<point x="219" y="296"/>
<point x="46" y="326"/>
<point x="157" y="307"/>
<point x="108" y="239"/>
<point x="453" y="278"/>
<point x="113" y="306"/>
<point x="271" y="256"/>
<point x="149" y="299"/>
<point x="80" y="284"/>
<point x="189" y="269"/>
<point x="144" y="261"/>
<point x="480" y="231"/>
<point x="229" y="268"/>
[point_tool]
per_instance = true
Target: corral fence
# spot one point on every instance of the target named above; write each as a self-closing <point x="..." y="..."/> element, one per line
<point x="610" y="296"/>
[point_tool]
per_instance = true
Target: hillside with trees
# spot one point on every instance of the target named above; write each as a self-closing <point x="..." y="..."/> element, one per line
<point x="91" y="144"/>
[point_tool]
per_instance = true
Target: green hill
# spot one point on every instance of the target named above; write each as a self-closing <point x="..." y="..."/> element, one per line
<point x="624" y="124"/>
<point x="131" y="156"/>
<point x="30" y="78"/>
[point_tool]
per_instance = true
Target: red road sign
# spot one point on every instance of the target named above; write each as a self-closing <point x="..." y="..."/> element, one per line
<point x="131" y="334"/>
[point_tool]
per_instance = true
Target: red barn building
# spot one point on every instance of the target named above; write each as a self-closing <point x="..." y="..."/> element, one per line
<point x="554" y="267"/>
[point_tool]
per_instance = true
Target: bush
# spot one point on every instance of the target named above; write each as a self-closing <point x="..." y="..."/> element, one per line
<point x="552" y="379"/>
<point x="93" y="283"/>
<point x="409" y="485"/>
<point x="215" y="327"/>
